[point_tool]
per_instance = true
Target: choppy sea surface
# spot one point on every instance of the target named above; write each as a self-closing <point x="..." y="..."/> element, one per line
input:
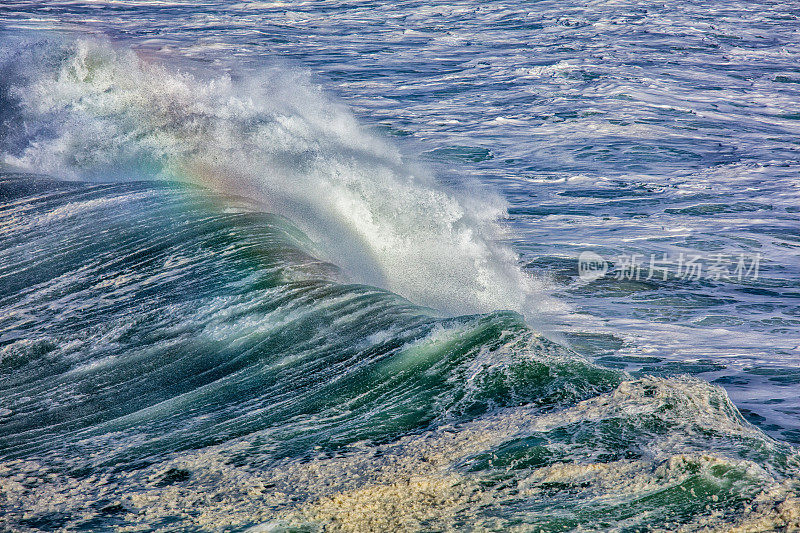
<point x="371" y="266"/>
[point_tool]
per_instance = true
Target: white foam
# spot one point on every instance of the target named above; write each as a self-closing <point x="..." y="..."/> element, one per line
<point x="416" y="482"/>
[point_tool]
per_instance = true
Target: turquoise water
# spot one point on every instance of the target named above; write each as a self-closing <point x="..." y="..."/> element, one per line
<point x="318" y="266"/>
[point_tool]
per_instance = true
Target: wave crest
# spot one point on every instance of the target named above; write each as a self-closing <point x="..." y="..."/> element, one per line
<point x="90" y="111"/>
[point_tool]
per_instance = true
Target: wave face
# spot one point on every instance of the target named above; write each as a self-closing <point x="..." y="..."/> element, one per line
<point x="220" y="326"/>
<point x="226" y="306"/>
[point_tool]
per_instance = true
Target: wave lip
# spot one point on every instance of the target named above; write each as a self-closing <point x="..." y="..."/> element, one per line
<point x="87" y="110"/>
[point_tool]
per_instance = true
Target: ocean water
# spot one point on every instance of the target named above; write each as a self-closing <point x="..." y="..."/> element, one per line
<point x="366" y="266"/>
